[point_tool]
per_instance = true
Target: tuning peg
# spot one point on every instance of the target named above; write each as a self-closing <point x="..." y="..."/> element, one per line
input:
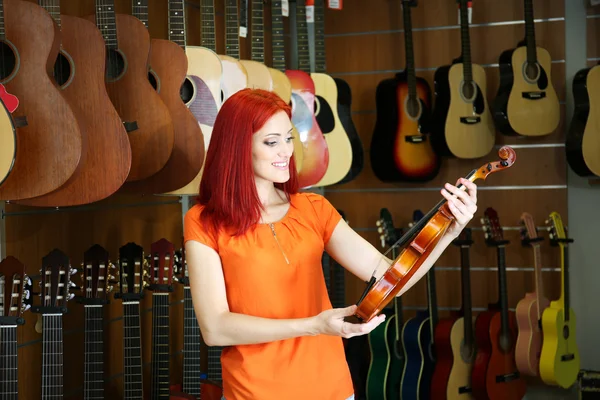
<point x="72" y="271"/>
<point x="25" y="307"/>
<point x="70" y="296"/>
<point x="378" y="223"/>
<point x="109" y="288"/>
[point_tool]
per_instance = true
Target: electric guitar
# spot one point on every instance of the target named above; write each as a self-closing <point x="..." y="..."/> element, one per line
<point x="529" y="309"/>
<point x="463" y="124"/>
<point x="401" y="148"/>
<point x="526" y="103"/>
<point x="582" y="144"/>
<point x="559" y="361"/>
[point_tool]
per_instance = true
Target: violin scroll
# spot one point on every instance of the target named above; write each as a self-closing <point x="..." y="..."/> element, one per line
<point x="507" y="156"/>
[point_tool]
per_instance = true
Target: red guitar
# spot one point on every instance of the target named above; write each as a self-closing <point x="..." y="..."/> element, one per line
<point x="495" y="374"/>
<point x="10" y="101"/>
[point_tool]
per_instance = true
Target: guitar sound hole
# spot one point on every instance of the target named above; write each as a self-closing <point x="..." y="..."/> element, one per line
<point x="532" y="72"/>
<point x="152" y="78"/>
<point x="413" y="107"/>
<point x="186" y="91"/>
<point x="565" y="332"/>
<point x="115" y="65"/>
<point x="8" y="60"/>
<point x="62" y="69"/>
<point x="468" y="91"/>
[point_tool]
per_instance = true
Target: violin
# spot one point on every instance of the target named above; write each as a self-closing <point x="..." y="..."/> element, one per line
<point x="426" y="233"/>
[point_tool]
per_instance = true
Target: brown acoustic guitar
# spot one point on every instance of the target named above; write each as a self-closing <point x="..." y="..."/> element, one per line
<point x="106" y="155"/>
<point x="146" y="117"/>
<point x="49" y="145"/>
<point x="168" y="69"/>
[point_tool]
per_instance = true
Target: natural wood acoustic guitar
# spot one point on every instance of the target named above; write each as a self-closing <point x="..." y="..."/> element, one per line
<point x="235" y="77"/>
<point x="259" y="76"/>
<point x="8" y="142"/>
<point x="526" y="103"/>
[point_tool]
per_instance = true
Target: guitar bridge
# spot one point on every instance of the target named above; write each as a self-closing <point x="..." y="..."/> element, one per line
<point x="508" y="377"/>
<point x="470" y="120"/>
<point x="533" y="95"/>
<point x="567" y="357"/>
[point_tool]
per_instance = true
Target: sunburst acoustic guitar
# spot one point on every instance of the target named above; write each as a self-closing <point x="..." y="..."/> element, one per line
<point x="526" y="103"/>
<point x="559" y="360"/>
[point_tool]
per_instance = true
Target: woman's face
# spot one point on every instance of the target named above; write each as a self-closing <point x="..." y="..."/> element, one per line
<point x="272" y="149"/>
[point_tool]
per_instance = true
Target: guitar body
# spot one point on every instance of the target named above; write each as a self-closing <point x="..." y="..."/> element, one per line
<point x="553" y="369"/>
<point x="418" y="368"/>
<point x="502" y="364"/>
<point x="326" y="113"/>
<point x="106" y="151"/>
<point x="443" y="357"/>
<point x="459" y="381"/>
<point x="523" y="106"/>
<point x="259" y="76"/>
<point x="8" y="142"/>
<point x="49" y="147"/>
<point x="396" y="365"/>
<point x="169" y="66"/>
<point x="464" y="127"/>
<point x="344" y="108"/>
<point x="484" y="352"/>
<point x="398" y="152"/>
<point x="201" y="92"/>
<point x="380" y="359"/>
<point x="235" y="77"/>
<point x="582" y="144"/>
<point x="316" y="152"/>
<point x="529" y="339"/>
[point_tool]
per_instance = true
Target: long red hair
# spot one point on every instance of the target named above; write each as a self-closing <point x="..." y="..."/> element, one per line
<point x="228" y="189"/>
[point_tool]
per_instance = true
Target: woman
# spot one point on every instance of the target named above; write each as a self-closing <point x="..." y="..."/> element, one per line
<point x="254" y="246"/>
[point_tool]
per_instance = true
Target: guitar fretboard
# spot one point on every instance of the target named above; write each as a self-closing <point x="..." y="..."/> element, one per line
<point x="93" y="385"/>
<point x="258" y="31"/>
<point x="530" y="33"/>
<point x="139" y="9"/>
<point x="177" y="22"/>
<point x="2" y="30"/>
<point x="319" y="36"/>
<point x="106" y="22"/>
<point x="465" y="273"/>
<point x="160" y="346"/>
<point x="432" y="297"/>
<point x="207" y="29"/>
<point x="502" y="290"/>
<point x="539" y="282"/>
<point x="277" y="38"/>
<point x="53" y="8"/>
<point x="410" y="57"/>
<point x="52" y="356"/>
<point x="232" y="38"/>
<point x="132" y="351"/>
<point x="565" y="281"/>
<point x="302" y="34"/>
<point x="465" y="42"/>
<point x="8" y="362"/>
<point x="191" y="346"/>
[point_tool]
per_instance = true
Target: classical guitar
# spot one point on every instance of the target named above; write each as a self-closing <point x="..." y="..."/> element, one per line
<point x="132" y="270"/>
<point x="106" y="154"/>
<point x="316" y="152"/>
<point x="401" y="149"/>
<point x="168" y="69"/>
<point x="463" y="124"/>
<point x="529" y="309"/>
<point x="418" y="342"/>
<point x="526" y="103"/>
<point x="145" y="115"/>
<point x="326" y="113"/>
<point x="49" y="140"/>
<point x="582" y="144"/>
<point x="8" y="142"/>
<point x="387" y="355"/>
<point x="235" y="76"/>
<point x="559" y="361"/>
<point x="96" y="277"/>
<point x="454" y="341"/>
<point x="55" y="284"/>
<point x="502" y="379"/>
<point x="16" y="299"/>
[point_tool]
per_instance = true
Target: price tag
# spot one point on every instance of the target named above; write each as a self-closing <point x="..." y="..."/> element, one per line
<point x="243" y="31"/>
<point x="470" y="11"/>
<point x="310" y="14"/>
<point x="285" y="8"/>
<point x="337" y="4"/>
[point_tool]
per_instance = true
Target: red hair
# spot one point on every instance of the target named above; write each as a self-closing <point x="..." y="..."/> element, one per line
<point x="228" y="189"/>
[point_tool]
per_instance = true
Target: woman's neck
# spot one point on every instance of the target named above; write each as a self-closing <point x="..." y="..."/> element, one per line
<point x="267" y="193"/>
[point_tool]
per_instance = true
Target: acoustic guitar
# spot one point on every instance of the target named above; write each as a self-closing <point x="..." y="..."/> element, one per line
<point x="582" y="144"/>
<point x="235" y="76"/>
<point x="401" y="149"/>
<point x="106" y="153"/>
<point x="201" y="90"/>
<point x="526" y="103"/>
<point x="529" y="309"/>
<point x="8" y="142"/>
<point x="146" y="117"/>
<point x="11" y="102"/>
<point x="454" y="340"/>
<point x="495" y="373"/>
<point x="168" y="69"/>
<point x="559" y="360"/>
<point x="463" y="124"/>
<point x="316" y="153"/>
<point x="259" y="76"/>
<point x="326" y="101"/>
<point x="49" y="140"/>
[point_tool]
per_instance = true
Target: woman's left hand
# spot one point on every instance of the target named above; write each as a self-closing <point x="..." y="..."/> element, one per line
<point x="462" y="204"/>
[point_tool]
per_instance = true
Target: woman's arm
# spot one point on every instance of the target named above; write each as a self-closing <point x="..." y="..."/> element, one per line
<point x="221" y="327"/>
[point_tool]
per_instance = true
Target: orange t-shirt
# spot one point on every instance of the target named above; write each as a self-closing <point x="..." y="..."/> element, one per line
<point x="260" y="282"/>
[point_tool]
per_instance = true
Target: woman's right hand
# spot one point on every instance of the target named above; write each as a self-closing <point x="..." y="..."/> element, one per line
<point x="331" y="322"/>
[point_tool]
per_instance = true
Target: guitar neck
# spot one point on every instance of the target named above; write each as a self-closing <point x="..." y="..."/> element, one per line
<point x="319" y="36"/>
<point x="2" y="28"/>
<point x="465" y="41"/>
<point x="139" y="9"/>
<point x="432" y="300"/>
<point x="465" y="274"/>
<point x="207" y="30"/>
<point x="191" y="346"/>
<point x="8" y="357"/>
<point x="277" y="38"/>
<point x="530" y="32"/>
<point x="106" y="22"/>
<point x="410" y="57"/>
<point x="565" y="297"/>
<point x="502" y="289"/>
<point x="160" y="346"/>
<point x="132" y="349"/>
<point x="302" y="35"/>
<point x="93" y="384"/>
<point x="52" y="356"/>
<point x="53" y="8"/>
<point x="258" y="32"/>
<point x="232" y="38"/>
<point x="539" y="282"/>
<point x="214" y="363"/>
<point x="177" y="30"/>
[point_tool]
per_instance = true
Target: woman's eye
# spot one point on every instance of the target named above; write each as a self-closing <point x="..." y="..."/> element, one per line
<point x="270" y="143"/>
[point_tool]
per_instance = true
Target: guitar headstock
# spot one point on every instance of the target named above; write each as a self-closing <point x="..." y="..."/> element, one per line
<point x="17" y="289"/>
<point x="494" y="235"/>
<point x="464" y="239"/>
<point x="55" y="282"/>
<point x="160" y="266"/>
<point x="528" y="230"/>
<point x="96" y="275"/>
<point x="385" y="227"/>
<point x="557" y="232"/>
<point x="132" y="270"/>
